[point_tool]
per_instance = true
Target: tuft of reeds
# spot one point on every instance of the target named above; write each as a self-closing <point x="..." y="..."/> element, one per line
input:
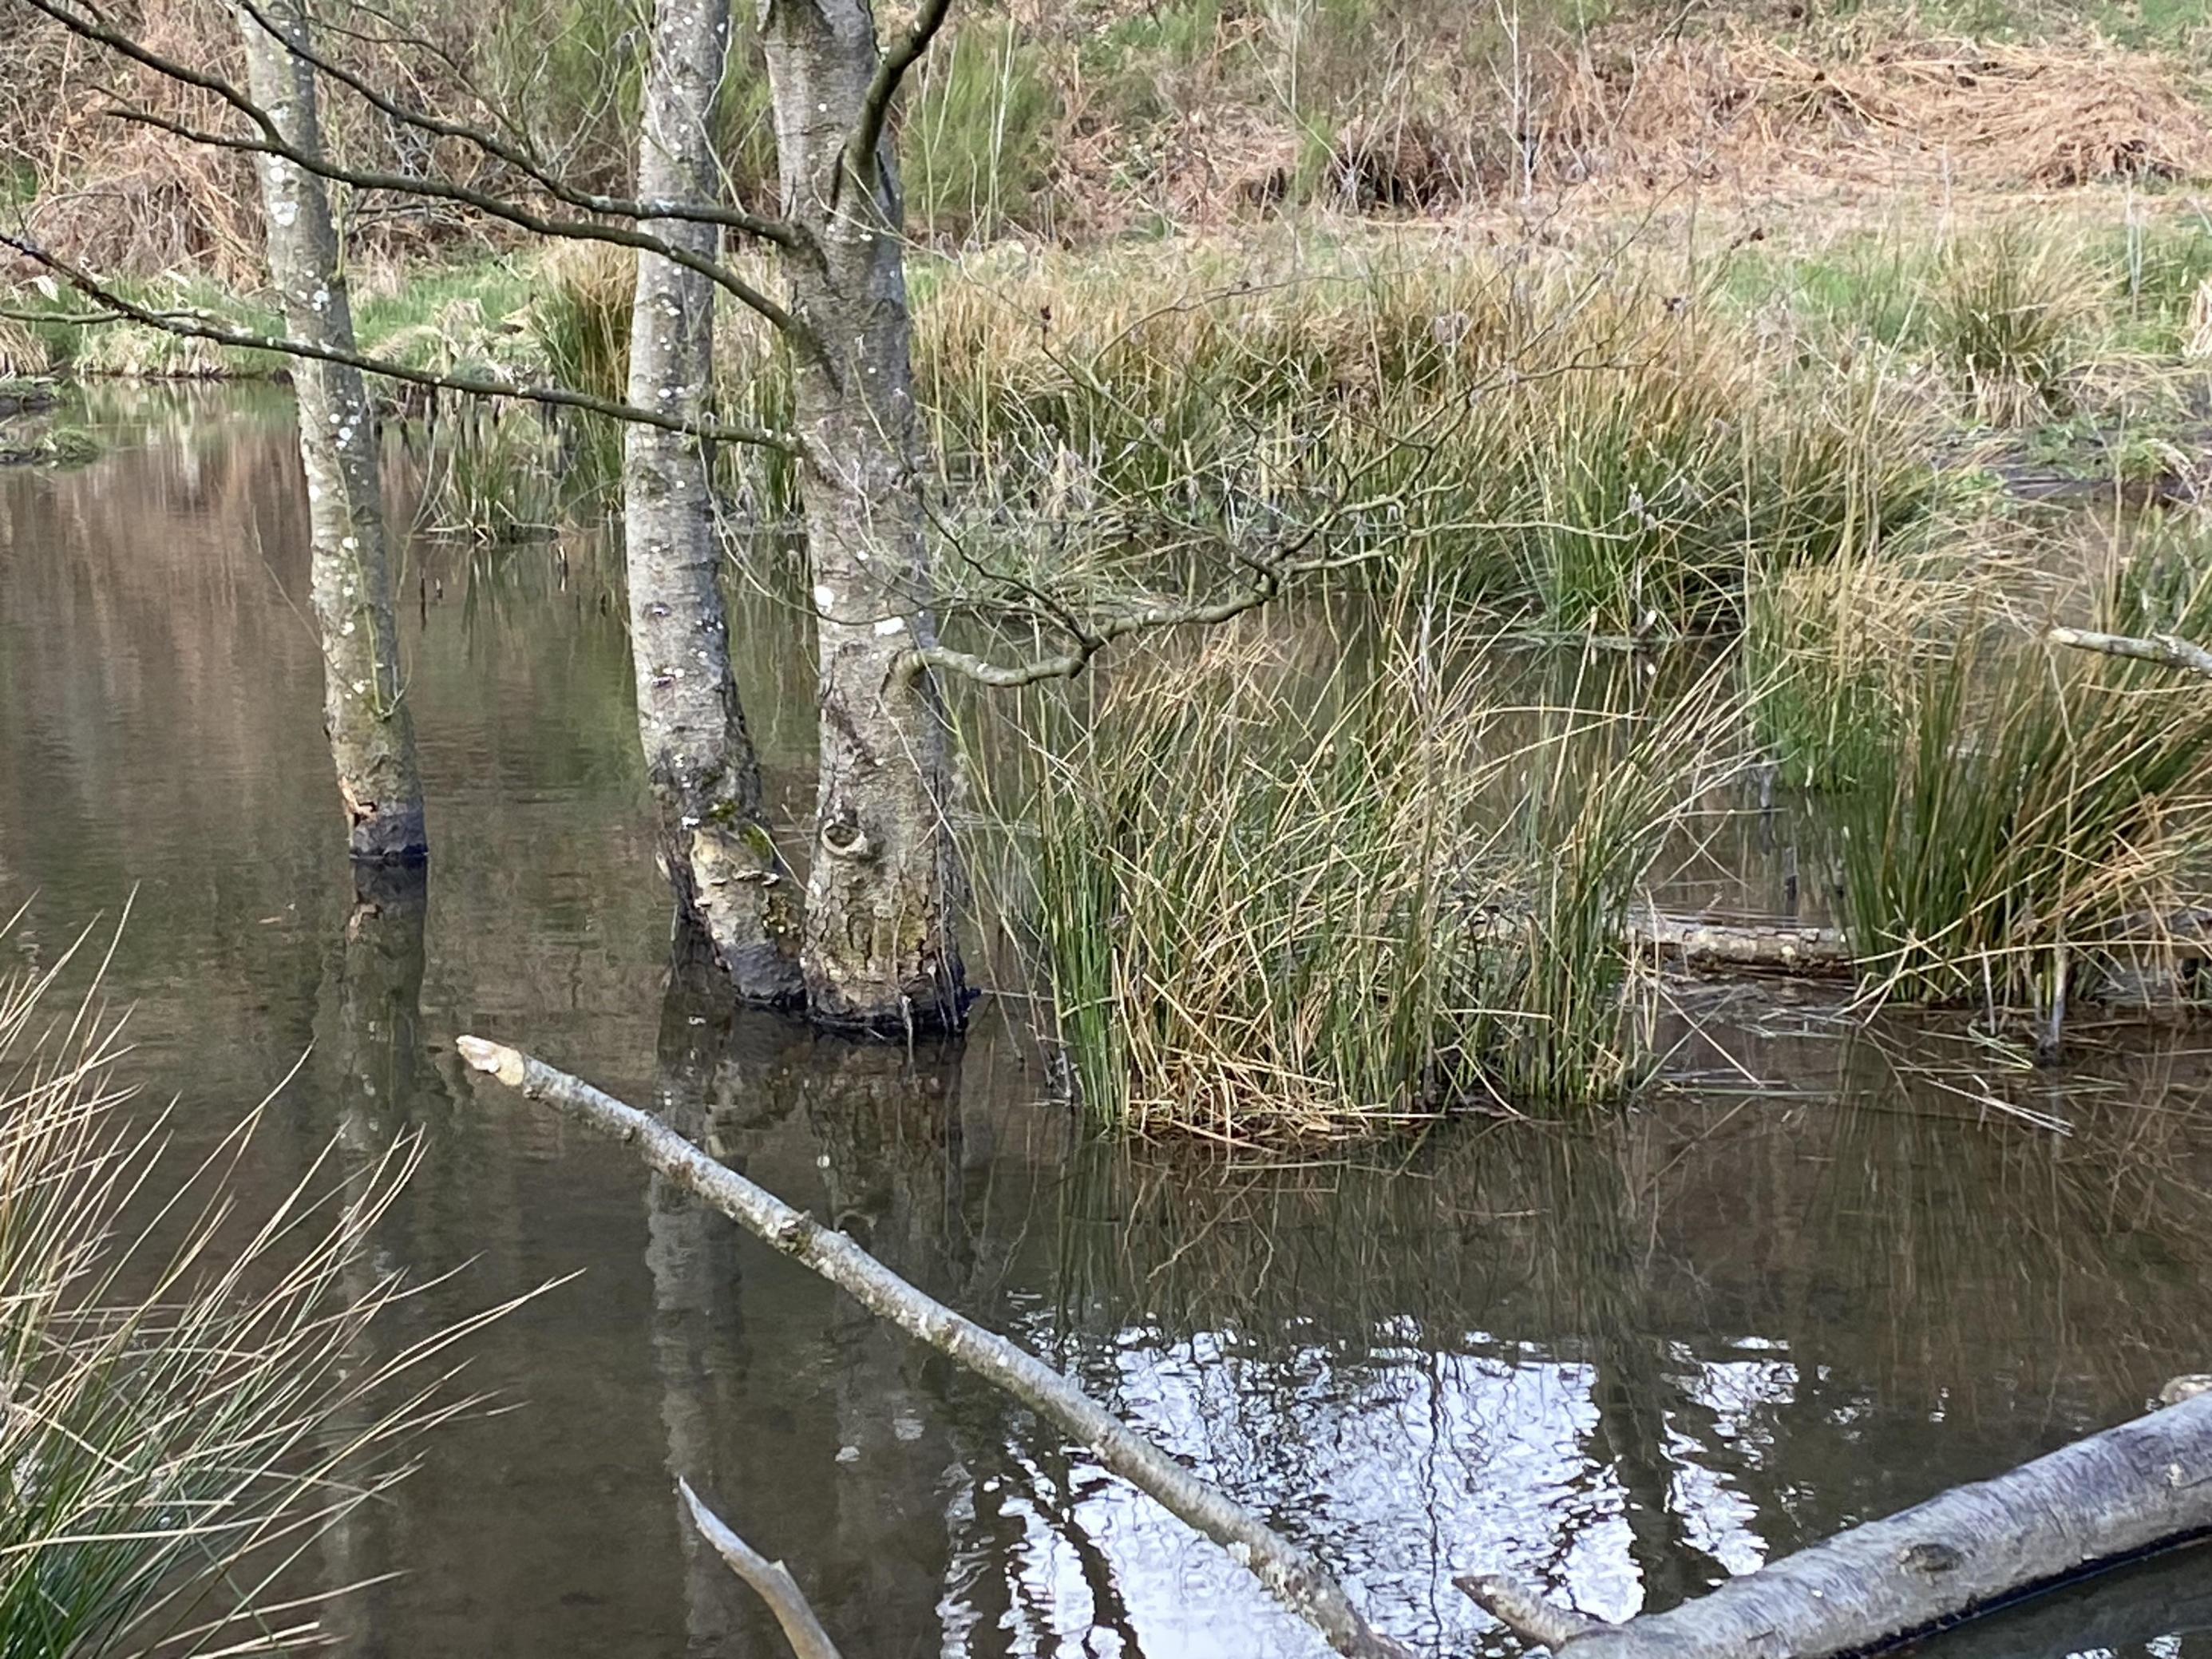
<point x="190" y="1387"/>
<point x="2008" y="308"/>
<point x="1282" y="886"/>
<point x="1613" y="462"/>
<point x="2039" y="808"/>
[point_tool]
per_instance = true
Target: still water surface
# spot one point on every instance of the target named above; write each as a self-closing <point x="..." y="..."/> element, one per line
<point x="1815" y="1280"/>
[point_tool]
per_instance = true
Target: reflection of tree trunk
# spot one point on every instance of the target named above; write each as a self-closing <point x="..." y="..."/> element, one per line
<point x="2122" y="1612"/>
<point x="369" y="1037"/>
<point x="365" y="712"/>
<point x="697" y="1336"/>
<point x="732" y="891"/>
<point x="880" y="946"/>
<point x="817" y="1432"/>
<point x="1601" y="1272"/>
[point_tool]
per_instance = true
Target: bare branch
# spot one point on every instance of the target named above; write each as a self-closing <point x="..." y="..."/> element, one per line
<point x="1525" y="1612"/>
<point x="272" y="141"/>
<point x="770" y="1580"/>
<point x="875" y="109"/>
<point x="779" y="231"/>
<point x="2164" y="649"/>
<point x="196" y="325"/>
<point x="1301" y="1583"/>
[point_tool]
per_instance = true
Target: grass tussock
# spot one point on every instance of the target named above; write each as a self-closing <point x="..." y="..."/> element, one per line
<point x="2010" y="310"/>
<point x="190" y="1389"/>
<point x="1618" y="461"/>
<point x="1283" y="887"/>
<point x="2039" y="804"/>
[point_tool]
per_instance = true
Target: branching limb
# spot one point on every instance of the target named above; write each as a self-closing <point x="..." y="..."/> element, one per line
<point x="197" y="325"/>
<point x="1525" y="1612"/>
<point x="770" y="1580"/>
<point x="272" y="141"/>
<point x="780" y="232"/>
<point x="875" y="109"/>
<point x="2164" y="648"/>
<point x="1301" y="1583"/>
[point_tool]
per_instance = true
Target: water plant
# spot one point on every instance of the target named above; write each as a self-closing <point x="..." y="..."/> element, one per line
<point x="2009" y="308"/>
<point x="1296" y="882"/>
<point x="191" y="1389"/>
<point x="2040" y="806"/>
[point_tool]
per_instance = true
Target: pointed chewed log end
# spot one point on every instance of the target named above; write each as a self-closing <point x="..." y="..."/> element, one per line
<point x="495" y="1058"/>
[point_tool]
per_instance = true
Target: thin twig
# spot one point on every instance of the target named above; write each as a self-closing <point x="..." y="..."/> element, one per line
<point x="875" y="107"/>
<point x="196" y="325"/>
<point x="272" y="141"/>
<point x="770" y="1580"/>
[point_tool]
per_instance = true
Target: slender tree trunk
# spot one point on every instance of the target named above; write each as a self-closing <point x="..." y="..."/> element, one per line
<point x="880" y="947"/>
<point x="732" y="889"/>
<point x="365" y="709"/>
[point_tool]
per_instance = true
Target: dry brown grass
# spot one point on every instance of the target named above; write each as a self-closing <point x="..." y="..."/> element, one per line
<point x="1896" y="110"/>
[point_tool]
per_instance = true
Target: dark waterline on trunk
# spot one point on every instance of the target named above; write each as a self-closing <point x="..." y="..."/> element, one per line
<point x="1622" y="1363"/>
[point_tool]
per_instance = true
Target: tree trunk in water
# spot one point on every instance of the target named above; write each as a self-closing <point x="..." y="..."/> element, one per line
<point x="880" y="949"/>
<point x="2100" y="1501"/>
<point x="365" y="710"/>
<point x="734" y="892"/>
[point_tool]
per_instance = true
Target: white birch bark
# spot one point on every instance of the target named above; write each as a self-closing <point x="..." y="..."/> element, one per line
<point x="880" y="949"/>
<point x="365" y="710"/>
<point x="732" y="889"/>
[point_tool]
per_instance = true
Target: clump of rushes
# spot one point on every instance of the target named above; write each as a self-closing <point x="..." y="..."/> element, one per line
<point x="189" y="1395"/>
<point x="1283" y="885"/>
<point x="1560" y="441"/>
<point x="1828" y="654"/>
<point x="2039" y="804"/>
<point x="2009" y="310"/>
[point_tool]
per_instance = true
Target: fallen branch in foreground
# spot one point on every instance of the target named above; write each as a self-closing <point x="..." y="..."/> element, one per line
<point x="2115" y="1495"/>
<point x="2170" y="649"/>
<point x="1296" y="1579"/>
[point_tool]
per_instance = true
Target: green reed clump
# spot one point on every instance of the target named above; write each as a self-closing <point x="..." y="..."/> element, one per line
<point x="1614" y="465"/>
<point x="2038" y="801"/>
<point x="1283" y="887"/>
<point x="2008" y="311"/>
<point x="1828" y="655"/>
<point x="977" y="137"/>
<point x="189" y="1395"/>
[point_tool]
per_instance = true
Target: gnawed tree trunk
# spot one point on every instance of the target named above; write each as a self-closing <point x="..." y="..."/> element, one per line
<point x="2113" y="1496"/>
<point x="732" y="891"/>
<point x="880" y="948"/>
<point x="365" y="711"/>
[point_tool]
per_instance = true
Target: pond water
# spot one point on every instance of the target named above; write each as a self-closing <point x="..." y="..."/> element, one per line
<point x="1819" y="1277"/>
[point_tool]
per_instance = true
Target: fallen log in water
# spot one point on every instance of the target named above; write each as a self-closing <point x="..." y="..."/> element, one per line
<point x="2113" y="1497"/>
<point x="2109" y="1498"/>
<point x="1296" y="1579"/>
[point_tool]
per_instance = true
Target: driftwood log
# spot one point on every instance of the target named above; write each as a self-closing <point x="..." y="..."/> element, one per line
<point x="2126" y="1493"/>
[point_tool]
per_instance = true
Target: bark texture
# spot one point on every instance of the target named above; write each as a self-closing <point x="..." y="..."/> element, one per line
<point x="1300" y="1583"/>
<point x="732" y="889"/>
<point x="2114" y="1496"/>
<point x="880" y="946"/>
<point x="365" y="712"/>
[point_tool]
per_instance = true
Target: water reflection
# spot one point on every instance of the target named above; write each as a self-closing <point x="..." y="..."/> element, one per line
<point x="1827" y="1280"/>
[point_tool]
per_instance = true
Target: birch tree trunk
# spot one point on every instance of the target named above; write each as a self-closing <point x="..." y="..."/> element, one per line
<point x="732" y="891"/>
<point x="880" y="949"/>
<point x="365" y="711"/>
